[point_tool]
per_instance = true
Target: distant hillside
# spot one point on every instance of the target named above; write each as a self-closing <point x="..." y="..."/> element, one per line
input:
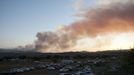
<point x="14" y="52"/>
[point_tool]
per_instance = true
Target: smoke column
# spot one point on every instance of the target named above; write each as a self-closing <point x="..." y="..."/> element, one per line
<point x="113" y="18"/>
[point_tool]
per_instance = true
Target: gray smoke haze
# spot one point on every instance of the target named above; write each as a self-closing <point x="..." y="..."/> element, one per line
<point x="115" y="17"/>
<point x="53" y="40"/>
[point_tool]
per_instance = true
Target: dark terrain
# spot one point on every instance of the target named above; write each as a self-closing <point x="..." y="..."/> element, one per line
<point x="119" y="62"/>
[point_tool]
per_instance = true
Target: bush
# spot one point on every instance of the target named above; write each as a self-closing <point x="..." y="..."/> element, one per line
<point x="127" y="62"/>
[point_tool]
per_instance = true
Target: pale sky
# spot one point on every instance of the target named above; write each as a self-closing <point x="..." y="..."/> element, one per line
<point x="20" y="20"/>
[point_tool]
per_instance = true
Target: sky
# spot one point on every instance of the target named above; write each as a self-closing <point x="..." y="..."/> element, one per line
<point x="20" y="20"/>
<point x="64" y="25"/>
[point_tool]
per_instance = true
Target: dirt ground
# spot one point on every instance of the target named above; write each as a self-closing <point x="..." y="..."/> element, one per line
<point x="40" y="72"/>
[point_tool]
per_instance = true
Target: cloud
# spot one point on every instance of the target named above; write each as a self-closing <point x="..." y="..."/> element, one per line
<point x="78" y="4"/>
<point x="107" y="2"/>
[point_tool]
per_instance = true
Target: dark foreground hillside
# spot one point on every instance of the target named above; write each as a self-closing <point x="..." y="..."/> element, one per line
<point x="119" y="62"/>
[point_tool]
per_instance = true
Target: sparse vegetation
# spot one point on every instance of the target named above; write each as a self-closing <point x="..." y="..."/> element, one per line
<point x="102" y="63"/>
<point x="127" y="63"/>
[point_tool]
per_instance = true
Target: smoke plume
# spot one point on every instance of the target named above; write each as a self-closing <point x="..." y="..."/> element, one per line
<point x="116" y="17"/>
